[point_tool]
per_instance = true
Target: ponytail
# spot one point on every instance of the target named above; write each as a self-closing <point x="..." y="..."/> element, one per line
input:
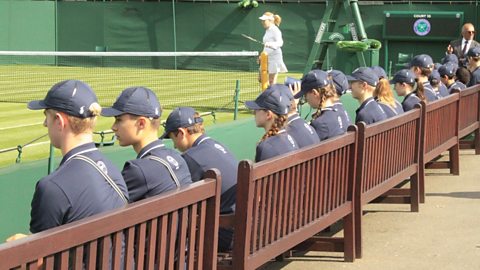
<point x="383" y="93"/>
<point x="278" y="124"/>
<point x="419" y="90"/>
<point x="277" y="19"/>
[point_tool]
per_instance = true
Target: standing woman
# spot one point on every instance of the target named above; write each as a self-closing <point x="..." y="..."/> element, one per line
<point x="273" y="43"/>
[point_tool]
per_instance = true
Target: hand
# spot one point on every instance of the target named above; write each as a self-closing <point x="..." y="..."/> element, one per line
<point x="268" y="45"/>
<point x="295" y="87"/>
<point x="449" y="49"/>
<point x="16" y="237"/>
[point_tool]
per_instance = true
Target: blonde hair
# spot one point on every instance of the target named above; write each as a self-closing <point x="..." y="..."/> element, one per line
<point x="384" y="93"/>
<point x="276" y="18"/>
<point x="279" y="122"/>
<point x="81" y="125"/>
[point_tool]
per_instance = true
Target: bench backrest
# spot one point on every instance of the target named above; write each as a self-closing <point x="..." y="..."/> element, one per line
<point x="285" y="200"/>
<point x="174" y="230"/>
<point x="388" y="152"/>
<point x="469" y="110"/>
<point x="441" y="120"/>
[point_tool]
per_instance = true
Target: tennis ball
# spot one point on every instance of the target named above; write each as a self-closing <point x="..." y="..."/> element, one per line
<point x="254" y="3"/>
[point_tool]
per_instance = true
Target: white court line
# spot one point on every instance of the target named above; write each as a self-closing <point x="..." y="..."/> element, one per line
<point x="19" y="126"/>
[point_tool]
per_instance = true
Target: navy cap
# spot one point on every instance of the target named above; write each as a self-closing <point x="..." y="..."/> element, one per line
<point x="284" y="90"/>
<point x="315" y="79"/>
<point x="273" y="99"/>
<point x="380" y="72"/>
<point x="452" y="58"/>
<point x="422" y="60"/>
<point x="403" y="76"/>
<point x="474" y="52"/>
<point x="435" y="75"/>
<point x="137" y="101"/>
<point x="71" y="97"/>
<point x="364" y="74"/>
<point x="180" y="117"/>
<point x="340" y="81"/>
<point x="436" y="66"/>
<point x="449" y="69"/>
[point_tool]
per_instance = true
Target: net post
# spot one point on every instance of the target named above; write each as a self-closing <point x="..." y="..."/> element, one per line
<point x="237" y="94"/>
<point x="50" y="159"/>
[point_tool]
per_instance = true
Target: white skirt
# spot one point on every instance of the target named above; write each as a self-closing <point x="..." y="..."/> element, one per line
<point x="275" y="64"/>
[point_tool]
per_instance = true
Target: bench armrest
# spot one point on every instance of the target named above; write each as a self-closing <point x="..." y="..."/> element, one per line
<point x="227" y="221"/>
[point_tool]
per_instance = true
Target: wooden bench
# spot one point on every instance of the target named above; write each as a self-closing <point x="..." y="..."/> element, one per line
<point x="388" y="153"/>
<point x="174" y="230"/>
<point x="441" y="126"/>
<point x="469" y="119"/>
<point x="284" y="201"/>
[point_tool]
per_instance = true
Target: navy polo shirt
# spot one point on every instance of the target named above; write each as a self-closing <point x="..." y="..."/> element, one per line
<point x="391" y="111"/>
<point x="276" y="145"/>
<point x="206" y="154"/>
<point x="329" y="124"/>
<point x="475" y="77"/>
<point x="410" y="101"/>
<point x="146" y="177"/>
<point x="75" y="190"/>
<point x="443" y="90"/>
<point x="370" y="112"/>
<point x="457" y="85"/>
<point x="430" y="94"/>
<point x="338" y="106"/>
<point x="301" y="131"/>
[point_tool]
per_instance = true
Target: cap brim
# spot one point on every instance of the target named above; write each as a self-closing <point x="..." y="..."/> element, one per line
<point x="252" y="105"/>
<point x="165" y="135"/>
<point x="392" y="82"/>
<point x="264" y="18"/>
<point x="37" y="105"/>
<point x="351" y="78"/>
<point x="109" y="112"/>
<point x="299" y="94"/>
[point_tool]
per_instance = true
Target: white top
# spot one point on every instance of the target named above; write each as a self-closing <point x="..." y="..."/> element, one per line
<point x="273" y="38"/>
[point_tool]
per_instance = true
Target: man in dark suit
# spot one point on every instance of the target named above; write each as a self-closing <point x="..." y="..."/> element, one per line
<point x="460" y="47"/>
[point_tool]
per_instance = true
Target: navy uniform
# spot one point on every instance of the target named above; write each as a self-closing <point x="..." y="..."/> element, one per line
<point x="430" y="94"/>
<point x="475" y="74"/>
<point x="370" y="112"/>
<point x="301" y="131"/>
<point x="411" y="99"/>
<point x="85" y="183"/>
<point x="205" y="154"/>
<point x="457" y="85"/>
<point x="434" y="78"/>
<point x="391" y="111"/>
<point x="157" y="168"/>
<point x="277" y="102"/>
<point x="328" y="124"/>
<point x="340" y="83"/>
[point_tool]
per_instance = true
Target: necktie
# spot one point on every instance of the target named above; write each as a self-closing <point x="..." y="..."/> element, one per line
<point x="464" y="51"/>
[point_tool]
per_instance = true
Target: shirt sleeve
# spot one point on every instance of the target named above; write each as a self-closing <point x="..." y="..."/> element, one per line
<point x="49" y="207"/>
<point x="277" y="39"/>
<point x="321" y="129"/>
<point x="135" y="180"/>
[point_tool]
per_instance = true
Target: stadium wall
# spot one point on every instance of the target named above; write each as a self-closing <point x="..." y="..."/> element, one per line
<point x="135" y="26"/>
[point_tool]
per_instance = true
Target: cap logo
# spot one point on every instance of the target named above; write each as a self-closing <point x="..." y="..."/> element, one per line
<point x="190" y="121"/>
<point x="156" y="111"/>
<point x="74" y="91"/>
<point x="82" y="109"/>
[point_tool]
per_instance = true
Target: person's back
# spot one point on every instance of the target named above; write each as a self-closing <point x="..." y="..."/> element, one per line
<point x="391" y="111"/>
<point x="328" y="124"/>
<point x="279" y="144"/>
<point x="345" y="118"/>
<point x="457" y="85"/>
<point x="76" y="190"/>
<point x="370" y="112"/>
<point x="430" y="93"/>
<point x="301" y="131"/>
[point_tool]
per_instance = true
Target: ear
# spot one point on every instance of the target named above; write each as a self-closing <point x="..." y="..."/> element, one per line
<point x="60" y="120"/>
<point x="141" y="122"/>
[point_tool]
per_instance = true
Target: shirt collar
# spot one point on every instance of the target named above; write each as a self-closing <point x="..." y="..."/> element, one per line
<point x="365" y="103"/>
<point x="149" y="147"/>
<point x="200" y="139"/>
<point x="293" y="117"/>
<point x="84" y="148"/>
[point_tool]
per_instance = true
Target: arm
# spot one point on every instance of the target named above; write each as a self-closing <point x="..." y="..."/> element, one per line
<point x="135" y="180"/>
<point x="49" y="207"/>
<point x="277" y="40"/>
<point x="195" y="169"/>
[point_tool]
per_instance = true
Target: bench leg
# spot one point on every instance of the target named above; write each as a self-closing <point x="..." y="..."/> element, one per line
<point x="357" y="216"/>
<point x="455" y="160"/>
<point x="421" y="182"/>
<point x="349" y="237"/>
<point x="414" y="193"/>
